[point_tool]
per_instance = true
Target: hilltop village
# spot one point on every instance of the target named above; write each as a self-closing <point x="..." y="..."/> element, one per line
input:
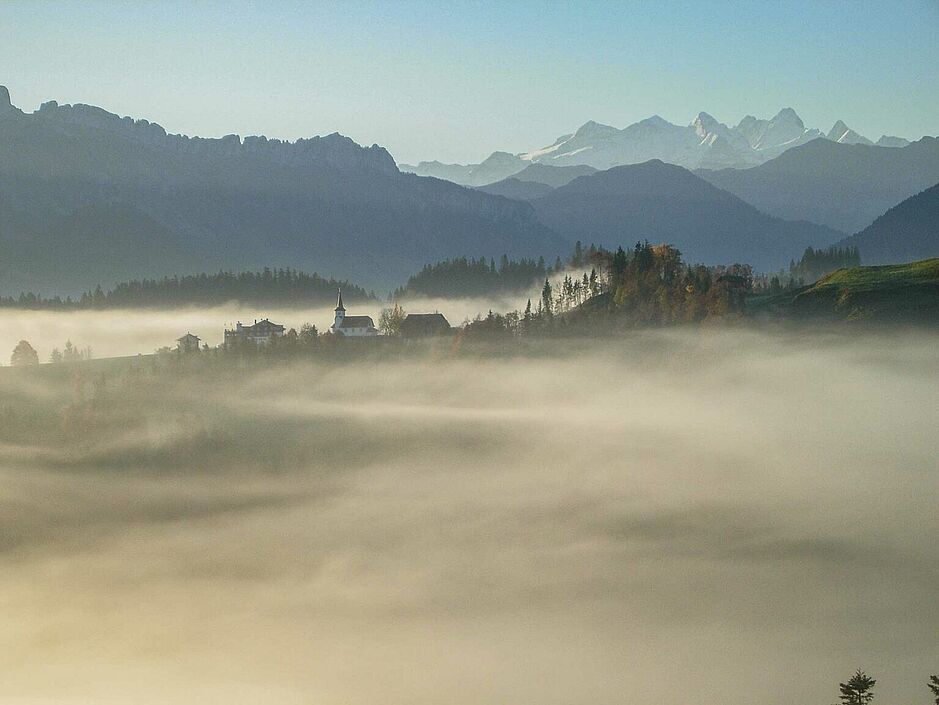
<point x="264" y="332"/>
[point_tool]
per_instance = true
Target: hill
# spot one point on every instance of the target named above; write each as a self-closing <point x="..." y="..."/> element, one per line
<point x="513" y="187"/>
<point x="90" y="197"/>
<point x="843" y="186"/>
<point x="907" y="232"/>
<point x="536" y="180"/>
<point x="665" y="203"/>
<point x="899" y="293"/>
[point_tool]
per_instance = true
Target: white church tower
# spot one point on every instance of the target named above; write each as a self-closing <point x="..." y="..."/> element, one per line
<point x="352" y="326"/>
<point x="340" y="313"/>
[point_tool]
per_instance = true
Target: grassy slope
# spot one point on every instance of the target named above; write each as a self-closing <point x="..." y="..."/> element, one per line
<point x="897" y="293"/>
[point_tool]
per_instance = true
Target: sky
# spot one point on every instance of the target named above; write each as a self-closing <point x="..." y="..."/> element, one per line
<point x="455" y="81"/>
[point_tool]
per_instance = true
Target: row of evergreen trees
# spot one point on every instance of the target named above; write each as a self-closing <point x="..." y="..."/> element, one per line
<point x="649" y="284"/>
<point x="269" y="287"/>
<point x="468" y="277"/>
<point x="859" y="689"/>
<point x="815" y="264"/>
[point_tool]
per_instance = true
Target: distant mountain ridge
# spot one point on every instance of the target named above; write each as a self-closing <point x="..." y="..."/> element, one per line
<point x="665" y="203"/>
<point x="844" y="186"/>
<point x="88" y="197"/>
<point x="905" y="233"/>
<point x="705" y="143"/>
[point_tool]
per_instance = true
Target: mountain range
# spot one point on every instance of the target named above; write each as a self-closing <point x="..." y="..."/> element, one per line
<point x="705" y="143"/>
<point x="842" y="185"/>
<point x="662" y="202"/>
<point x="907" y="232"/>
<point x="89" y="197"/>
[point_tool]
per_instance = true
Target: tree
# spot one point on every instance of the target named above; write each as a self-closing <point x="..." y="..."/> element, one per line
<point x="390" y="320"/>
<point x="71" y="353"/>
<point x="308" y="334"/>
<point x="24" y="354"/>
<point x="56" y="356"/>
<point x="577" y="259"/>
<point x="547" y="300"/>
<point x="934" y="687"/>
<point x="858" y="690"/>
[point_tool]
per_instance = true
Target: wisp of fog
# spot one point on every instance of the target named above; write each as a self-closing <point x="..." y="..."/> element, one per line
<point x="717" y="516"/>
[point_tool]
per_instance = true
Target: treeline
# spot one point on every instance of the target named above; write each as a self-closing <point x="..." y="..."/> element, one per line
<point x="466" y="277"/>
<point x="815" y="264"/>
<point x="269" y="287"/>
<point x="647" y="285"/>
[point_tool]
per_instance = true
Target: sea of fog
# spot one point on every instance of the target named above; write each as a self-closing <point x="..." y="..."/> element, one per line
<point x="703" y="515"/>
<point x="124" y="332"/>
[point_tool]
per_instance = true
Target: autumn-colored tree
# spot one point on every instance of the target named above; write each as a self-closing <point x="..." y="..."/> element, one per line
<point x="390" y="320"/>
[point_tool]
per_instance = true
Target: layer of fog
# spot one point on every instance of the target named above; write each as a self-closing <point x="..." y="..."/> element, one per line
<point x="123" y="332"/>
<point x="707" y="516"/>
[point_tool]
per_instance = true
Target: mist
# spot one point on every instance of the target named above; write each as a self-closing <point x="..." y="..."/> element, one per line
<point x="708" y="515"/>
<point x="123" y="332"/>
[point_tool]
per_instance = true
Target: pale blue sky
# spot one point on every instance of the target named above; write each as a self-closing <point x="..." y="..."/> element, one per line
<point x="456" y="81"/>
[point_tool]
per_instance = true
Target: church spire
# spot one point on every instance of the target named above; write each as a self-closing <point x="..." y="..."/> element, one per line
<point x="339" y="306"/>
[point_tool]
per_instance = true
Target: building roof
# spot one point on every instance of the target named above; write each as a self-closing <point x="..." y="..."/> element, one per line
<point x="339" y="306"/>
<point x="263" y="327"/>
<point x="424" y="324"/>
<point x="357" y="322"/>
<point x="188" y="337"/>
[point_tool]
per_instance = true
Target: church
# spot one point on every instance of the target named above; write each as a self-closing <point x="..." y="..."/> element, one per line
<point x="352" y="326"/>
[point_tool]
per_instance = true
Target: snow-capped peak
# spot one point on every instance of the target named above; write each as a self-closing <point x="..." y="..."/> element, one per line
<point x="845" y="135"/>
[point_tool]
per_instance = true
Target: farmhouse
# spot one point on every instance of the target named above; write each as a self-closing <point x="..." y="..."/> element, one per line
<point x="189" y="343"/>
<point x="260" y="333"/>
<point x="352" y="326"/>
<point x="424" y="325"/>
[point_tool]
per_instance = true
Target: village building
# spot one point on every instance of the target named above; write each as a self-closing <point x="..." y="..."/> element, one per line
<point x="352" y="326"/>
<point x="260" y="333"/>
<point x="424" y="325"/>
<point x="189" y="343"/>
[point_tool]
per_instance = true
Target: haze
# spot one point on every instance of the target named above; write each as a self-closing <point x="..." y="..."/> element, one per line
<point x="456" y="81"/>
<point x="713" y="516"/>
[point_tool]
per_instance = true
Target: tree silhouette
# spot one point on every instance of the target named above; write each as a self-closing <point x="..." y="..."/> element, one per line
<point x="858" y="689"/>
<point x="23" y="354"/>
<point x="391" y="319"/>
<point x="934" y="687"/>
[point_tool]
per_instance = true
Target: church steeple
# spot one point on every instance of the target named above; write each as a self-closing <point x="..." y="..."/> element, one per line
<point x="340" y="312"/>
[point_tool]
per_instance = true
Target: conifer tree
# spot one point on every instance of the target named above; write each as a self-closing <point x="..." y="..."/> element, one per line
<point x="934" y="687"/>
<point x="858" y="690"/>
<point x="547" y="298"/>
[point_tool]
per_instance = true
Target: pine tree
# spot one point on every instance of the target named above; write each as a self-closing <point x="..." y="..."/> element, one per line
<point x="934" y="687"/>
<point x="578" y="259"/>
<point x="858" y="690"/>
<point x="547" y="300"/>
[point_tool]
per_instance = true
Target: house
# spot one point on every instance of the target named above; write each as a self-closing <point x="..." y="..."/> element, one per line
<point x="352" y="326"/>
<point x="189" y="343"/>
<point x="260" y="333"/>
<point x="424" y="325"/>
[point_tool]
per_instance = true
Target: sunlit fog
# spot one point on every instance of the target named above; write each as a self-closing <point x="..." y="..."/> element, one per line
<point x="129" y="332"/>
<point x="713" y="516"/>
